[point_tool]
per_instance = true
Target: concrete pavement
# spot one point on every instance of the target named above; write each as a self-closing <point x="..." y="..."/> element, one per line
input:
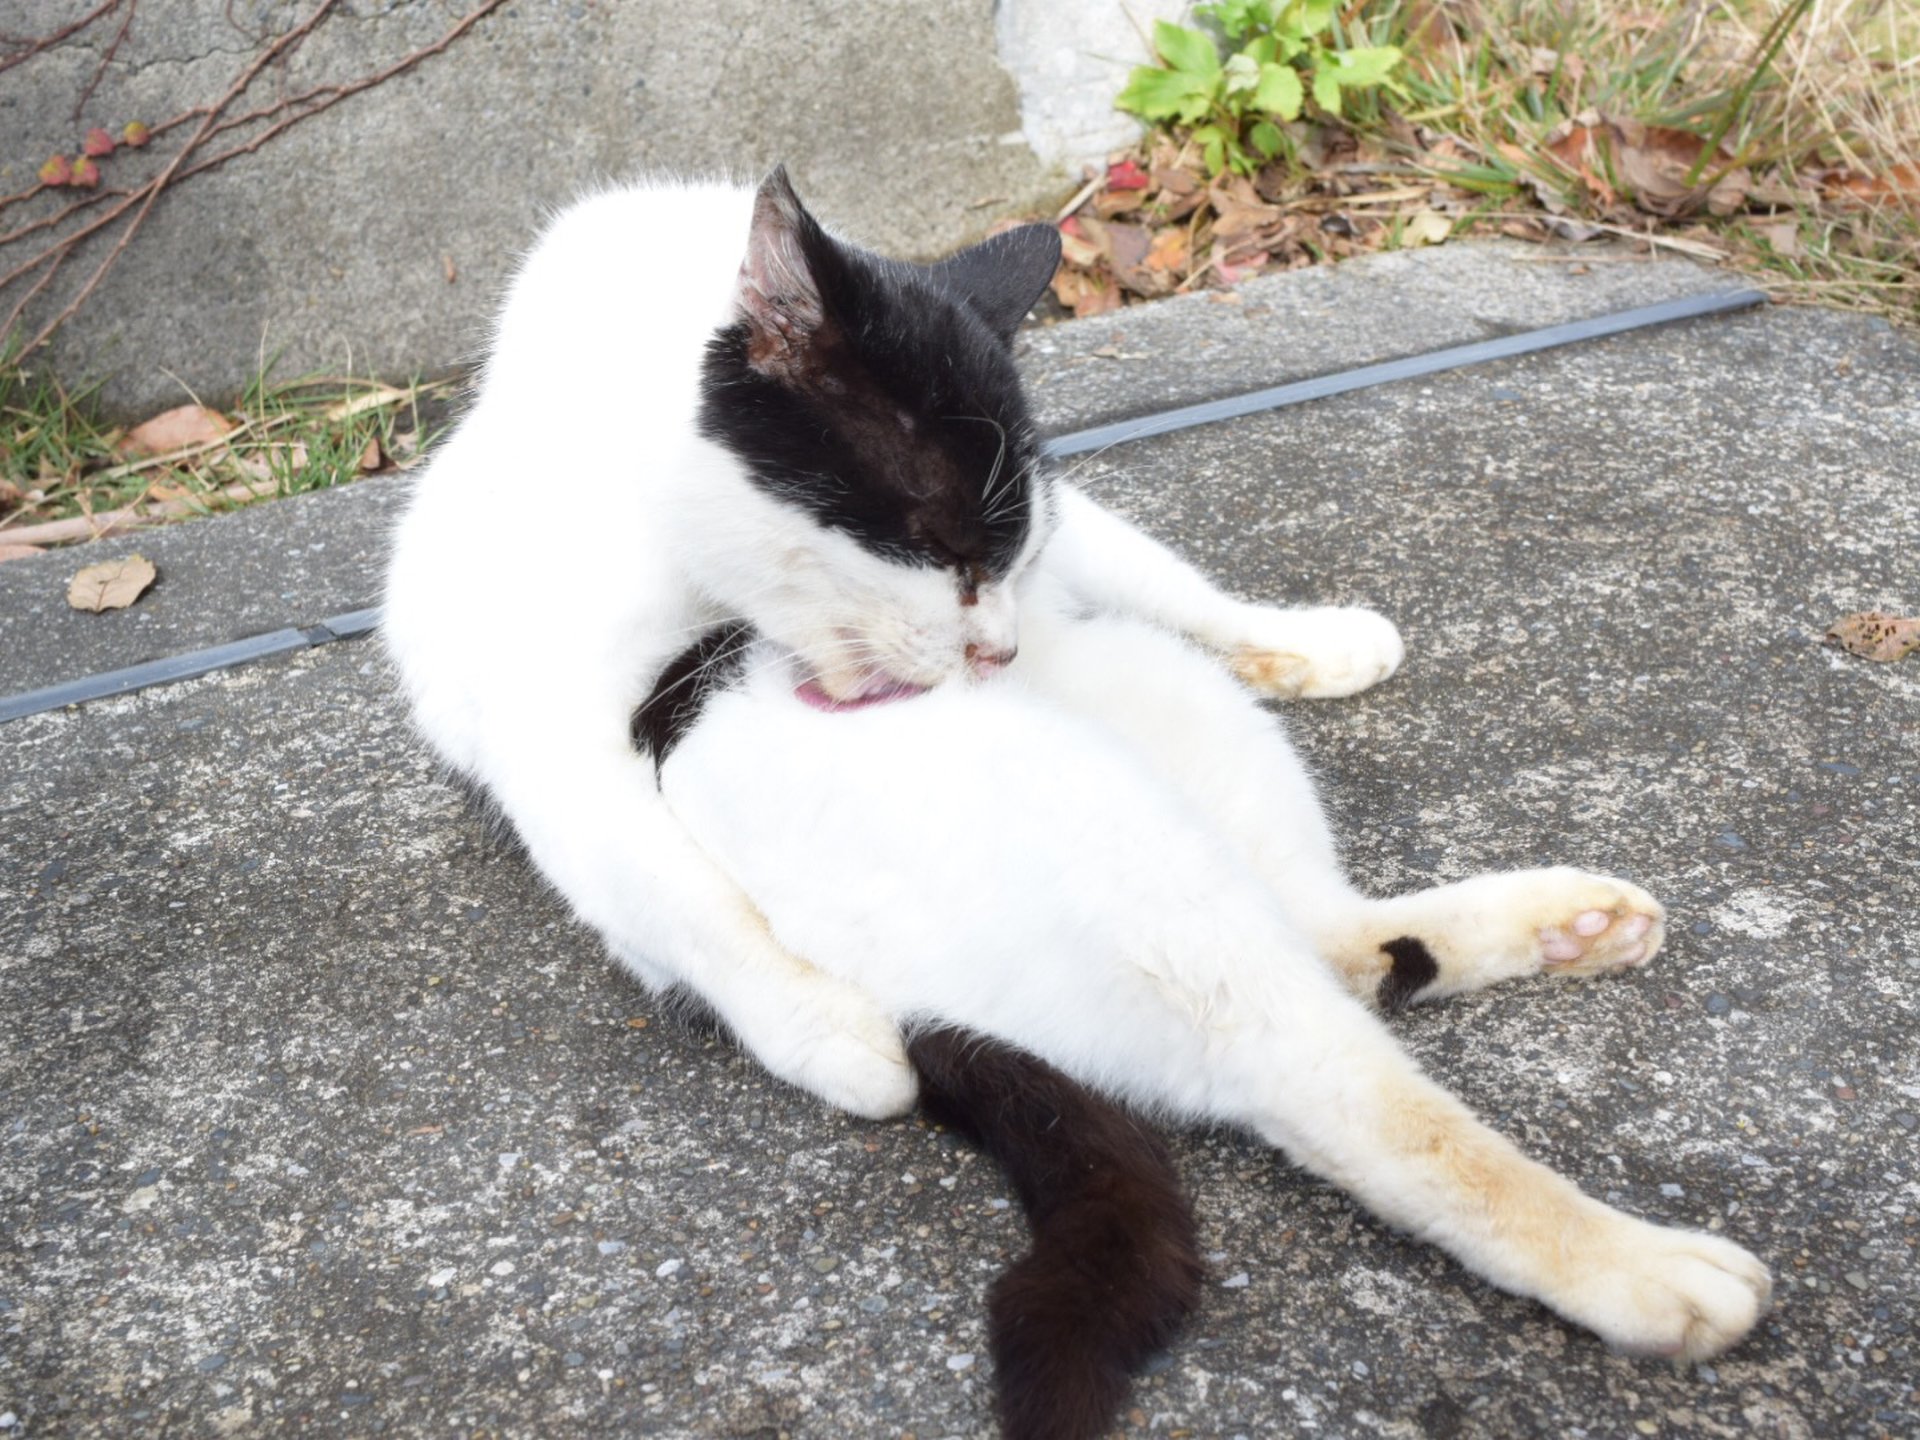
<point x="319" y="1112"/>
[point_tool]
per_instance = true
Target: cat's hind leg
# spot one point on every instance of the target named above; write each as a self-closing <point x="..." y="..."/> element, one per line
<point x="590" y="812"/>
<point x="1466" y="936"/>
<point x="1231" y="758"/>
<point x="1327" y="1083"/>
<point x="1419" y="1158"/>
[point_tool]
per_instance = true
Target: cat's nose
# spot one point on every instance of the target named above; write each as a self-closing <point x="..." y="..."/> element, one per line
<point x="985" y="660"/>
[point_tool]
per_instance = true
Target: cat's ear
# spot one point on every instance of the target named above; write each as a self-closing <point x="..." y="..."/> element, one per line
<point x="779" y="291"/>
<point x="1004" y="275"/>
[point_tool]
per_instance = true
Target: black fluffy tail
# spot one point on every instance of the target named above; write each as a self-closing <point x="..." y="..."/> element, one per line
<point x="1114" y="1266"/>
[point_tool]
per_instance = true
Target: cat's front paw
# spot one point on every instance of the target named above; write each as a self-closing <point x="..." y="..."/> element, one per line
<point x="1650" y="1290"/>
<point x="1315" y="654"/>
<point x="843" y="1048"/>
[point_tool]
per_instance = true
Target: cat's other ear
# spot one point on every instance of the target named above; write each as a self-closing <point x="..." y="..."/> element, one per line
<point x="1003" y="275"/>
<point x="779" y="291"/>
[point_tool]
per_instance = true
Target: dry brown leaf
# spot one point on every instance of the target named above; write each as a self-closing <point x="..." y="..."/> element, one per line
<point x="17" y="552"/>
<point x="1876" y="635"/>
<point x="1077" y="250"/>
<point x="1239" y="211"/>
<point x="1178" y="190"/>
<point x="1579" y="153"/>
<point x="1085" y="294"/>
<point x="1170" y="251"/>
<point x="1651" y="164"/>
<point x="1429" y="227"/>
<point x="370" y="457"/>
<point x="1241" y="267"/>
<point x="1430" y="38"/>
<point x="1783" y="238"/>
<point x="111" y="585"/>
<point x="1131" y="247"/>
<point x="1127" y="245"/>
<point x="1655" y="160"/>
<point x="1896" y="182"/>
<point x="175" y="429"/>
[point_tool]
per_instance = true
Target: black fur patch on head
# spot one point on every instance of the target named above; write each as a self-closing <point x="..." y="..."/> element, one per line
<point x="681" y="691"/>
<point x="880" y="397"/>
<point x="1414" y="968"/>
<point x="1115" y="1264"/>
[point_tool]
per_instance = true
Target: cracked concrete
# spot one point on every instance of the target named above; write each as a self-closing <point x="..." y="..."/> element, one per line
<point x="320" y="1112"/>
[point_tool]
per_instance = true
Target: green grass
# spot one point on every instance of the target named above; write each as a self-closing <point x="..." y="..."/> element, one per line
<point x="1838" y="95"/>
<point x="1809" y="110"/>
<point x="59" y="460"/>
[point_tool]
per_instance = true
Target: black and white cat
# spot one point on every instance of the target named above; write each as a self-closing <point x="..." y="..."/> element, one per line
<point x="838" y="709"/>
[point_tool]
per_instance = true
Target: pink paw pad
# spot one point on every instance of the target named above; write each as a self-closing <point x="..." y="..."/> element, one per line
<point x="1596" y="940"/>
<point x="1561" y="947"/>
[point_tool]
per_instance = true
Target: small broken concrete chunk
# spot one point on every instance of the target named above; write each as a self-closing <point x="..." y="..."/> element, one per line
<point x="112" y="584"/>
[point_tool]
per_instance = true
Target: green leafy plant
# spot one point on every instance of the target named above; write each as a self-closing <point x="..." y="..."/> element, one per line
<point x="1281" y="52"/>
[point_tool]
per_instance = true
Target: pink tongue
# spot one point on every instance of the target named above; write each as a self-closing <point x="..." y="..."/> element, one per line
<point x="891" y="690"/>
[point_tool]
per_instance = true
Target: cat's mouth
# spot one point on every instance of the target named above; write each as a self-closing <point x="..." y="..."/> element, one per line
<point x="878" y="690"/>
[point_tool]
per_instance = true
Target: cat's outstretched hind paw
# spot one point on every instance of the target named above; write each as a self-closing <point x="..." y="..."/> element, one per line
<point x="1504" y="926"/>
<point x="1649" y="1290"/>
<point x="1316" y="654"/>
<point x="1605" y="924"/>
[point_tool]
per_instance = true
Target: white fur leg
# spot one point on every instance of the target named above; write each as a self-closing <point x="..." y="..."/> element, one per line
<point x="1419" y="1158"/>
<point x="830" y="1039"/>
<point x="1478" y="932"/>
<point x="1314" y="654"/>
<point x="1650" y="1290"/>
<point x="815" y="1032"/>
<point x="1558" y="920"/>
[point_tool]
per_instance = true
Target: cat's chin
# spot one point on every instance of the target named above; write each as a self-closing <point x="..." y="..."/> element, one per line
<point x="881" y="690"/>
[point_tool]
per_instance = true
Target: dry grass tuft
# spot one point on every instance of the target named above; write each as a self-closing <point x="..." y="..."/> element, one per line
<point x="1778" y="136"/>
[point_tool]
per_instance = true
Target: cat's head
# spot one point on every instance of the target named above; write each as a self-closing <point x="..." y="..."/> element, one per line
<point x="895" y="489"/>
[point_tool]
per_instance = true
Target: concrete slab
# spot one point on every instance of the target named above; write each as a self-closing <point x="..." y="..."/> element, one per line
<point x="320" y="1112"/>
<point x="296" y="561"/>
<point x="332" y="245"/>
<point x="286" y="562"/>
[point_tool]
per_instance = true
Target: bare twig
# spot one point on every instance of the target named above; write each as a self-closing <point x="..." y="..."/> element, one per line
<point x="133" y="517"/>
<point x="333" y="93"/>
<point x="30" y="48"/>
<point x="106" y="59"/>
<point x="133" y="205"/>
<point x="71" y="207"/>
<point x="150" y="192"/>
